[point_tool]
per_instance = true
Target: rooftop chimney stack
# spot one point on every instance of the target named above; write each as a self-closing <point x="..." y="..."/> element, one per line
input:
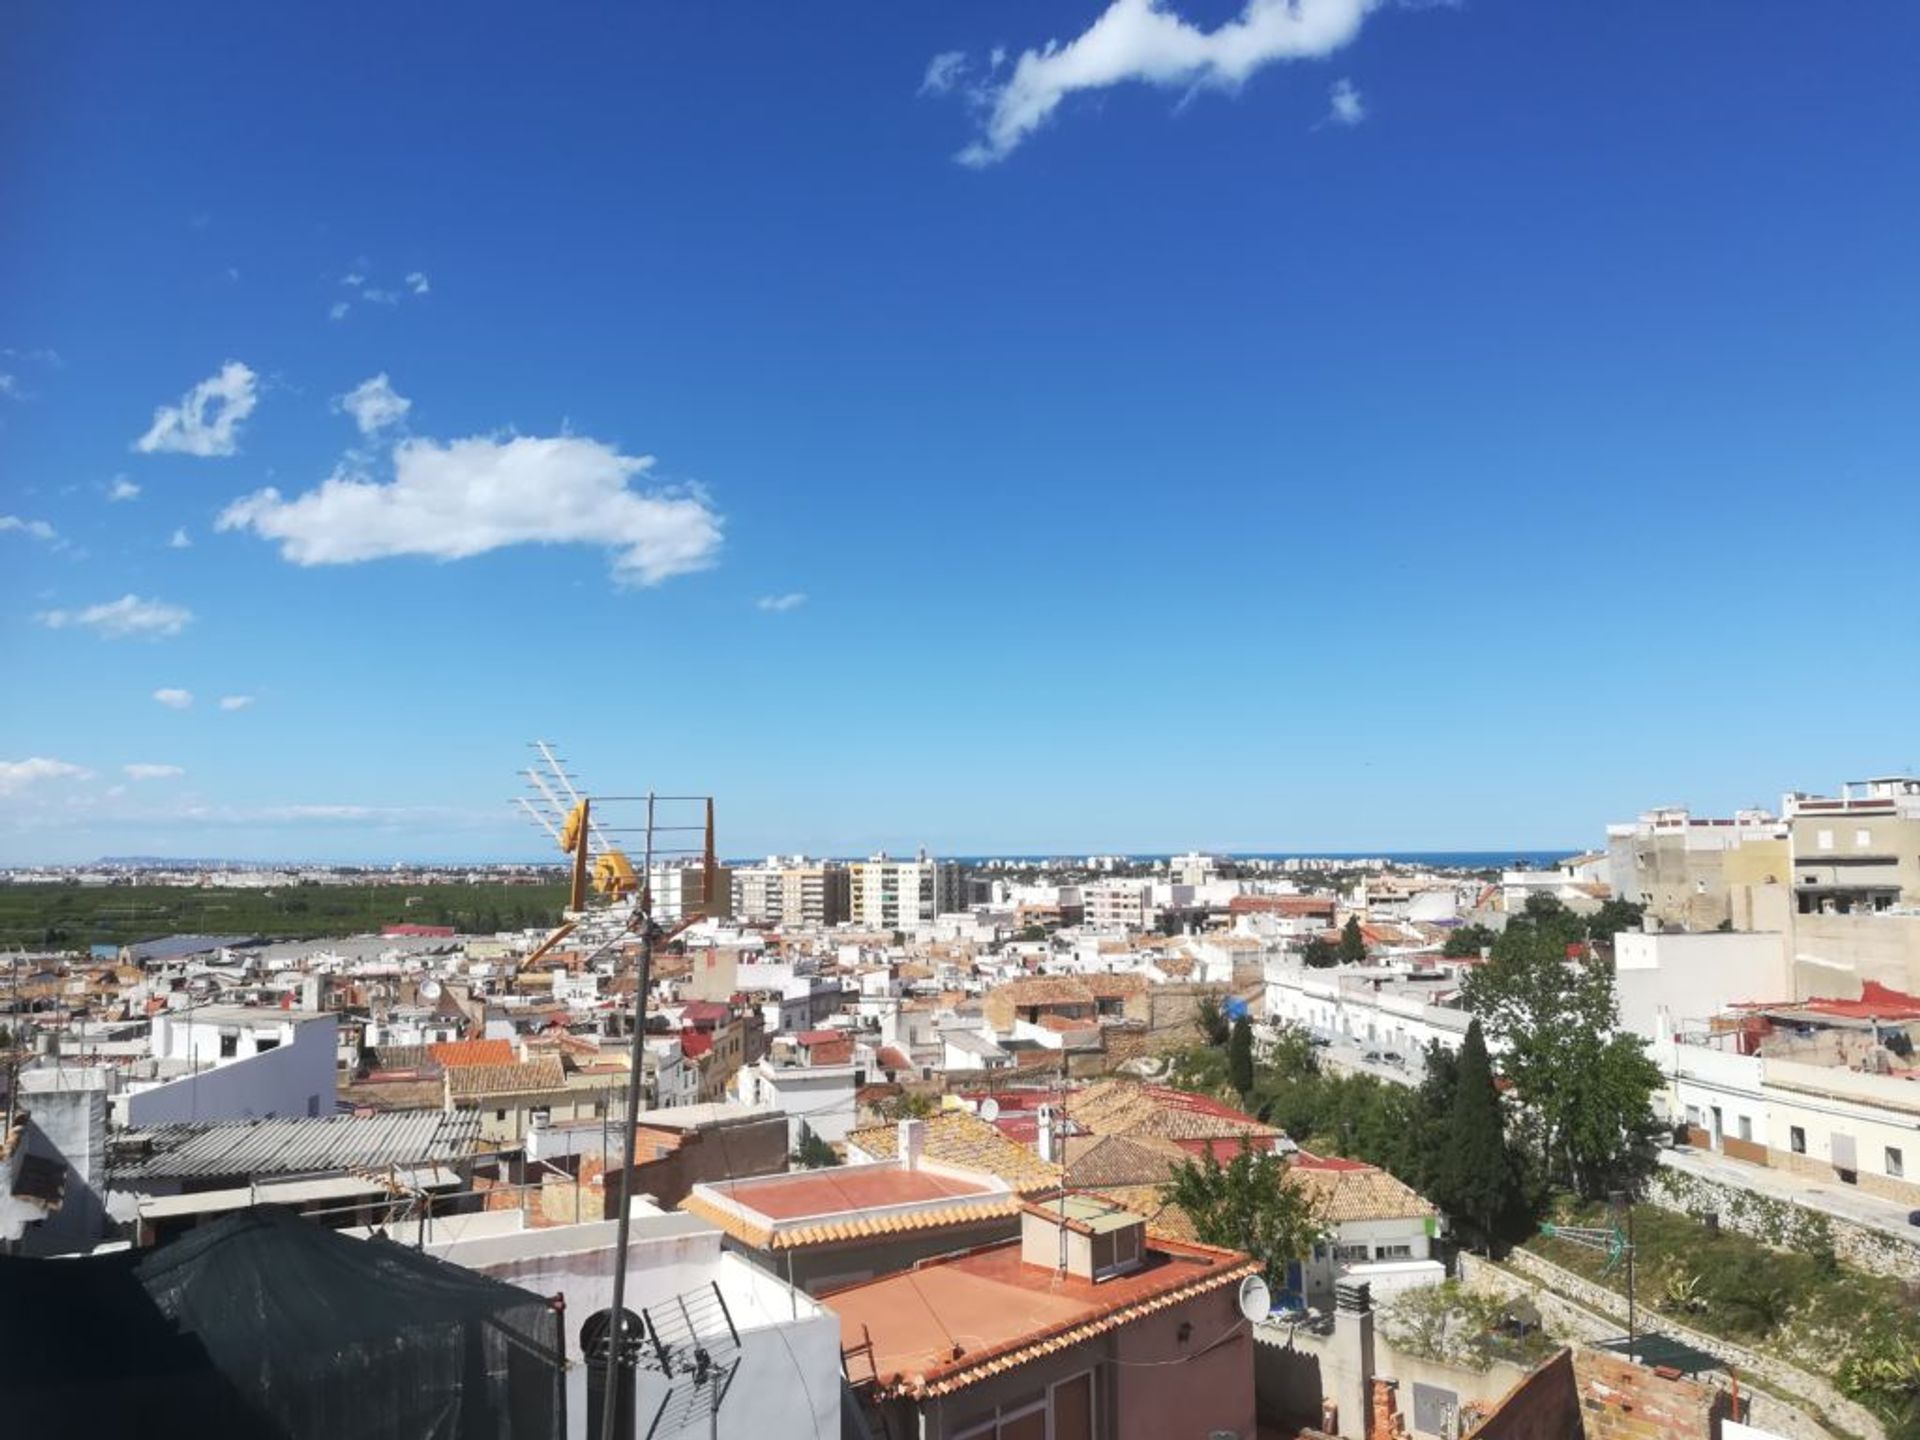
<point x="913" y="1143"/>
<point x="1353" y="1356"/>
<point x="1048" y="1140"/>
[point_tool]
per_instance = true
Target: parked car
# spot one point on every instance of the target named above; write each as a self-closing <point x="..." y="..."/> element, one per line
<point x="1394" y="1057"/>
<point x="1372" y="1057"/>
<point x="1913" y="1217"/>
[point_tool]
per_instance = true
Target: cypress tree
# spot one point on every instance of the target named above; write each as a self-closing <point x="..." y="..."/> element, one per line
<point x="1353" y="945"/>
<point x="1475" y="1173"/>
<point x="1240" y="1057"/>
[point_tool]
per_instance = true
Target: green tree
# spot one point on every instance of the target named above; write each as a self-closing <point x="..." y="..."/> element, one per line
<point x="1474" y="1178"/>
<point x="1247" y="1205"/>
<point x="1612" y="917"/>
<point x="1585" y="1088"/>
<point x="909" y="1105"/>
<point x="1317" y="954"/>
<point x="813" y="1153"/>
<point x="1240" y="1057"/>
<point x="1466" y="942"/>
<point x="1353" y="945"/>
<point x="1211" y="1018"/>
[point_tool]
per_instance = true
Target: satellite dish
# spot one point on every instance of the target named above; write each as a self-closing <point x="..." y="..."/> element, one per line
<point x="1256" y="1300"/>
<point x="989" y="1109"/>
<point x="429" y="989"/>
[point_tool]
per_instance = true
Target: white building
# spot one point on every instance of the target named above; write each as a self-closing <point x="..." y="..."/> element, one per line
<point x="788" y="1383"/>
<point x="792" y="890"/>
<point x="681" y="892"/>
<point x="891" y="894"/>
<point x="1685" y="976"/>
<point x="813" y="1097"/>
<point x="1374" y="1007"/>
<point x="236" y="1062"/>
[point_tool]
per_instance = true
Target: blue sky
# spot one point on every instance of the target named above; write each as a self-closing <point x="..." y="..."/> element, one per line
<point x="1356" y="427"/>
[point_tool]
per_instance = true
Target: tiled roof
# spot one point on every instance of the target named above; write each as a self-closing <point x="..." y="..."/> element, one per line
<point x="402" y="1057"/>
<point x="527" y="1076"/>
<point x="999" y="1313"/>
<point x="1115" y="987"/>
<point x="1120" y="1107"/>
<point x="395" y="1094"/>
<point x="956" y="1138"/>
<point x="292" y="1146"/>
<point x="1045" y="990"/>
<point x="1162" y="1216"/>
<point x="850" y="1225"/>
<point x="460" y="1053"/>
<point x="1340" y="1195"/>
<point x="1099" y="1161"/>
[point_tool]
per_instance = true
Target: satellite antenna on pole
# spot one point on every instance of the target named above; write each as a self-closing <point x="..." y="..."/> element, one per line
<point x="691" y="1341"/>
<point x="429" y="989"/>
<point x="989" y="1109"/>
<point x="1256" y="1300"/>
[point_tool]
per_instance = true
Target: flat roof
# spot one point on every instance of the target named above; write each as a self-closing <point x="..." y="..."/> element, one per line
<point x="290" y="1192"/>
<point x="834" y="1191"/>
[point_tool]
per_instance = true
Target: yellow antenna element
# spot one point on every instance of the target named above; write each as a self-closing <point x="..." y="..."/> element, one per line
<point x="574" y="828"/>
<point x="613" y="875"/>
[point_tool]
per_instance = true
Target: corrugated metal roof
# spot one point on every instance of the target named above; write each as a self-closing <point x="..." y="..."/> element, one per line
<point x="295" y="1145"/>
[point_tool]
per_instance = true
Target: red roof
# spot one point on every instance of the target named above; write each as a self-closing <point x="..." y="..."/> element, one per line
<point x="1281" y="904"/>
<point x="456" y="1053"/>
<point x="892" y="1057"/>
<point x="695" y="1043"/>
<point x="1306" y="1160"/>
<point x="818" y="1037"/>
<point x="705" y="1013"/>
<point x="1876" y="1002"/>
<point x="837" y="1191"/>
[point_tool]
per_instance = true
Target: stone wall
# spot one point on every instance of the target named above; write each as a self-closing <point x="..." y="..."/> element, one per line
<point x="1786" y="1226"/>
<point x="1773" y="1371"/>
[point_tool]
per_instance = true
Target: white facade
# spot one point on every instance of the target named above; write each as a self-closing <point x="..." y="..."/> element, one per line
<point x="1366" y="1006"/>
<point x="818" y="1097"/>
<point x="891" y="894"/>
<point x="1688" y="976"/>
<point x="243" y="1063"/>
<point x="680" y="892"/>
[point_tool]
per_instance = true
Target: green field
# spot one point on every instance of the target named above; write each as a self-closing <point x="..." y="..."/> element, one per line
<point x="77" y="916"/>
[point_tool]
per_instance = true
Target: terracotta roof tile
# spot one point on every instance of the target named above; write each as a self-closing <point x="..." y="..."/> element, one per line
<point x="966" y="1142"/>
<point x="533" y="1075"/>
<point x="458" y="1053"/>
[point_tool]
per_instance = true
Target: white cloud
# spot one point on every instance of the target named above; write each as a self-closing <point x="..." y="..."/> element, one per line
<point x="235" y="702"/>
<point x="338" y="310"/>
<point x="116" y="619"/>
<point x="174" y="699"/>
<point x="780" y="604"/>
<point x="122" y="489"/>
<point x="453" y="499"/>
<point x="17" y="775"/>
<point x="152" y="772"/>
<point x="188" y="429"/>
<point x="1142" y="40"/>
<point x="180" y="540"/>
<point x="944" y="72"/>
<point x="417" y="282"/>
<point x="37" y="529"/>
<point x="380" y="297"/>
<point x="1345" y="105"/>
<point x="374" y="404"/>
<point x="353" y="278"/>
<point x="9" y="386"/>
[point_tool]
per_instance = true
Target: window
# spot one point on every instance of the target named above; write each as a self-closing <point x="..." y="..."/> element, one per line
<point x="1824" y="840"/>
<point x="229" y="1044"/>
<point x="1746" y="1127"/>
<point x="1896" y="1163"/>
<point x="264" y="1043"/>
<point x="1073" y="1408"/>
<point x="1393" y="1252"/>
<point x="499" y="1114"/>
<point x="1797" y="1140"/>
<point x="1349" y="1252"/>
<point x="1693" y="1117"/>
<point x="1862" y="839"/>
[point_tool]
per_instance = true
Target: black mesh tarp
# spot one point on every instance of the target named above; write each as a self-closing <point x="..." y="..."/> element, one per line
<point x="263" y="1324"/>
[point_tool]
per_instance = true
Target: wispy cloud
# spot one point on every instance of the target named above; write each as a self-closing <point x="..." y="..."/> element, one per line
<point x="780" y="604"/>
<point x="17" y="775"/>
<point x="174" y="699"/>
<point x="121" y="488"/>
<point x="117" y="619"/>
<point x="452" y="499"/>
<point x="235" y="702"/>
<point x="944" y="72"/>
<point x="1345" y="105"/>
<point x="207" y="419"/>
<point x="180" y="540"/>
<point x="1144" y="41"/>
<point x="338" y="310"/>
<point x="374" y="404"/>
<point x="34" y="529"/>
<point x="418" y="283"/>
<point x="152" y="772"/>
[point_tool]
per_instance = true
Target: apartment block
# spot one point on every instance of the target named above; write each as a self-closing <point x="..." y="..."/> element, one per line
<point x="1692" y="871"/>
<point x="793" y="890"/>
<point x="893" y="894"/>
<point x="1858" y="850"/>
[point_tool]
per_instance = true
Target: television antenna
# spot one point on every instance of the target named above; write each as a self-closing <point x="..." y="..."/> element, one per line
<point x="1615" y="1241"/>
<point x="691" y="1340"/>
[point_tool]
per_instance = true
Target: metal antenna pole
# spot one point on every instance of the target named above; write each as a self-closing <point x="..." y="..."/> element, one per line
<point x="637" y="1054"/>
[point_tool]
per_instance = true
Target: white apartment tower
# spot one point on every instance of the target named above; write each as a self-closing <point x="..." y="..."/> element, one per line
<point x="893" y="894"/>
<point x="792" y="890"/>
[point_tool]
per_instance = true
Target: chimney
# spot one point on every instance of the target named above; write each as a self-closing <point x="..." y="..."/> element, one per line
<point x="1385" y="1422"/>
<point x="913" y="1141"/>
<point x="1352" y="1356"/>
<point x="1048" y="1141"/>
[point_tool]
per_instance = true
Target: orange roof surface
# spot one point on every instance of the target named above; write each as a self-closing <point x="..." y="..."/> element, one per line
<point x="998" y="1313"/>
<point x="452" y="1053"/>
<point x="833" y="1191"/>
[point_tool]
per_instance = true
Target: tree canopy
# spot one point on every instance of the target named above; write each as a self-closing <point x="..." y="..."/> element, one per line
<point x="1248" y="1205"/>
<point x="1353" y="945"/>
<point x="1240" y="1056"/>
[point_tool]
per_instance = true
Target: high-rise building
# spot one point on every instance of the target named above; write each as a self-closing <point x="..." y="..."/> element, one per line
<point x="892" y="894"/>
<point x="680" y="892"/>
<point x="792" y="890"/>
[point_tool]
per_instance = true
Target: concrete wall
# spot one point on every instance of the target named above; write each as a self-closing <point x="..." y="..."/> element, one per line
<point x="1295" y="1368"/>
<point x="1689" y="977"/>
<point x="68" y="1107"/>
<point x="1833" y="954"/>
<point x="297" y="1078"/>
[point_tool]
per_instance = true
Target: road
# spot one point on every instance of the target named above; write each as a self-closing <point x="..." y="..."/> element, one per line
<point x="1842" y="1201"/>
<point x="1346" y="1059"/>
